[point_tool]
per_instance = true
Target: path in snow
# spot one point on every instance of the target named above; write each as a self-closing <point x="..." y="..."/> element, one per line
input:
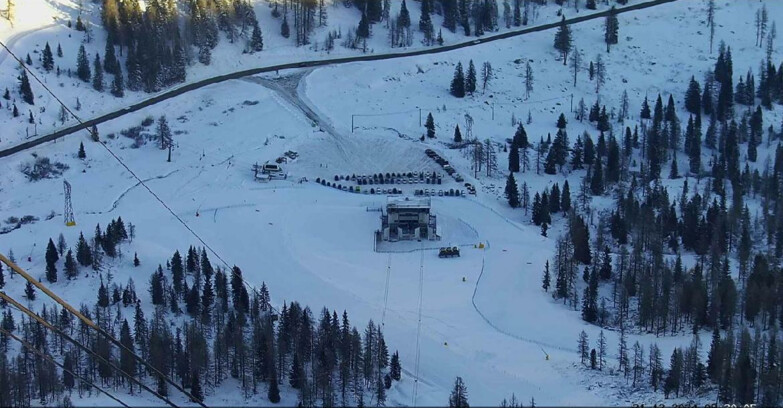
<point x="16" y="37"/>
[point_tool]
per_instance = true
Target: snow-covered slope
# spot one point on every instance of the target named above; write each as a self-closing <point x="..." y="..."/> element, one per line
<point x="484" y="316"/>
<point x="39" y="22"/>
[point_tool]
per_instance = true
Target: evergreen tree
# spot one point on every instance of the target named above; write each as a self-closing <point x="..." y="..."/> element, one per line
<point x="546" y="281"/>
<point x="83" y="65"/>
<point x="459" y="395"/>
<point x="563" y="40"/>
<point x="457" y="135"/>
<point x="51" y="260"/>
<point x="29" y="291"/>
<point x="110" y="63"/>
<point x="83" y="253"/>
<point x="565" y="198"/>
<point x="97" y="77"/>
<point x="25" y="90"/>
<point x="118" y="83"/>
<point x="395" y="368"/>
<point x="195" y="388"/>
<point x="693" y="97"/>
<point x="404" y="18"/>
<point x="458" y="82"/>
<point x="512" y="194"/>
<point x="257" y="44"/>
<point x="597" y="180"/>
<point x="81" y="154"/>
<point x="513" y="158"/>
<point x="470" y="79"/>
<point x="48" y="58"/>
<point x="136" y="262"/>
<point x="71" y="270"/>
<point x="285" y="31"/>
<point x="363" y="31"/>
<point x="611" y="26"/>
<point x="273" y="394"/>
<point x="177" y="273"/>
<point x="430" y="125"/>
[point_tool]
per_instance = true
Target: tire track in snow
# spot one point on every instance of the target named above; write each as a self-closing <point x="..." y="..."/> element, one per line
<point x="499" y="330"/>
<point x="117" y="200"/>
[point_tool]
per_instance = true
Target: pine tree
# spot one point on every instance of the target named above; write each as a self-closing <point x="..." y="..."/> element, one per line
<point x="563" y="40"/>
<point x="83" y="252"/>
<point x="285" y="31"/>
<point x="257" y="41"/>
<point x="71" y="270"/>
<point x="273" y="394"/>
<point x="512" y="193"/>
<point x="459" y="395"/>
<point x="597" y="180"/>
<point x="118" y="83"/>
<point x="457" y="135"/>
<point x="546" y="281"/>
<point x="195" y="388"/>
<point x="673" y="170"/>
<point x="395" y="368"/>
<point x="470" y="79"/>
<point x="458" y="82"/>
<point x="693" y="97"/>
<point x="363" y="31"/>
<point x="513" y="158"/>
<point x="48" y="58"/>
<point x="2" y="276"/>
<point x="51" y="259"/>
<point x="404" y="18"/>
<point x="565" y="198"/>
<point x="611" y="26"/>
<point x="97" y="78"/>
<point x="177" y="273"/>
<point x="83" y="65"/>
<point x="25" y="90"/>
<point x="29" y="291"/>
<point x="81" y="154"/>
<point x="136" y="260"/>
<point x="430" y="125"/>
<point x="59" y="51"/>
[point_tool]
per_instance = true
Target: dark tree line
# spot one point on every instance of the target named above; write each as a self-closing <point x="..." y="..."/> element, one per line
<point x="205" y="328"/>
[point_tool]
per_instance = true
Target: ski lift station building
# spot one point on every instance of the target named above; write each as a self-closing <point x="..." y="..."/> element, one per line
<point x="408" y="219"/>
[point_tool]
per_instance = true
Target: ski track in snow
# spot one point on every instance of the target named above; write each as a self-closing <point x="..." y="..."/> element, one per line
<point x="117" y="200"/>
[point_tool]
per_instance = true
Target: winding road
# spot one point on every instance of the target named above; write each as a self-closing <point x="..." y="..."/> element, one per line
<point x="309" y="64"/>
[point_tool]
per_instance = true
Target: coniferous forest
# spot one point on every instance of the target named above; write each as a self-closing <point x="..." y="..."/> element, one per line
<point x="682" y="249"/>
<point x="204" y="326"/>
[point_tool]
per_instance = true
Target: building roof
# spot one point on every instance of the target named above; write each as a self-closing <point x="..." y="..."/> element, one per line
<point x="407" y="202"/>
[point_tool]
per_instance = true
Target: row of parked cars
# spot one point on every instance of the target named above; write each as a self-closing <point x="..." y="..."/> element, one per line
<point x="357" y="189"/>
<point x="444" y="164"/>
<point x="440" y="193"/>
<point x="393" y="178"/>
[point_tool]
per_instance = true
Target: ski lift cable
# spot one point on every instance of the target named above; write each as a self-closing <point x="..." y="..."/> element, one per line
<point x="56" y="330"/>
<point x="135" y="176"/>
<point x="88" y="322"/>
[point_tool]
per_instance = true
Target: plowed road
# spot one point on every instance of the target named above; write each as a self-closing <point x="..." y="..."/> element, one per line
<point x="306" y="64"/>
